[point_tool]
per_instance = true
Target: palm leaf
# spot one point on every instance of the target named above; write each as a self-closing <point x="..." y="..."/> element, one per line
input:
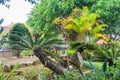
<point x="1" y="75"/>
<point x="104" y="66"/>
<point x="23" y="41"/>
<point x="50" y="41"/>
<point x="92" y="66"/>
<point x="16" y="45"/>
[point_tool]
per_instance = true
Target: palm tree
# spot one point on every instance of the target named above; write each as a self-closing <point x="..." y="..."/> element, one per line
<point x="109" y="52"/>
<point x="41" y="44"/>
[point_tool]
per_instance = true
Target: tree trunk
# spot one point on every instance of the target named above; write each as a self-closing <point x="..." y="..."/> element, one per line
<point x="48" y="62"/>
<point x="76" y="60"/>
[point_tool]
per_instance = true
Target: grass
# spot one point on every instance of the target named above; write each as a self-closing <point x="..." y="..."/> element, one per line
<point x="97" y="64"/>
<point x="31" y="72"/>
<point x="26" y="53"/>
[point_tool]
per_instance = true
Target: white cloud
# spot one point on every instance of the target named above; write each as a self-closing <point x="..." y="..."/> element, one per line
<point x="16" y="13"/>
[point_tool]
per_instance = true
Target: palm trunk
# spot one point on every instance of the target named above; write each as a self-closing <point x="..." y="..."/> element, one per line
<point x="48" y="62"/>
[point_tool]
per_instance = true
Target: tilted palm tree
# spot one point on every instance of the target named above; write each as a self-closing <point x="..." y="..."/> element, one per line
<point x="41" y="43"/>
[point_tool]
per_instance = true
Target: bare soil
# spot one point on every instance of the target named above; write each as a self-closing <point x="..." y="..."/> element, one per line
<point x="26" y="71"/>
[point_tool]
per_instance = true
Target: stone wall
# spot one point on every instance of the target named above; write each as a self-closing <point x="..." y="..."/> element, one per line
<point x="6" y="54"/>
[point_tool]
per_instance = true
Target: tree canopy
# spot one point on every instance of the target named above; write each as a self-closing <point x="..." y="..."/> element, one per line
<point x="109" y="11"/>
<point x="46" y="11"/>
<point x="17" y="32"/>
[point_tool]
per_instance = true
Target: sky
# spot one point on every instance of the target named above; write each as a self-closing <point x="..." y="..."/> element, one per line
<point x="18" y="12"/>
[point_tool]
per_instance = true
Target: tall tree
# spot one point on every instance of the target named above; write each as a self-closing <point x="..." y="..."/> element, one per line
<point x="109" y="11"/>
<point x="46" y="11"/>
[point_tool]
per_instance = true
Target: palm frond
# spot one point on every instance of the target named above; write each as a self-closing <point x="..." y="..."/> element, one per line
<point x="51" y="41"/>
<point x="16" y="45"/>
<point x="26" y="42"/>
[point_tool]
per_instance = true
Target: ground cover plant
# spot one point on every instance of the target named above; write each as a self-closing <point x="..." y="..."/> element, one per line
<point x="2" y="73"/>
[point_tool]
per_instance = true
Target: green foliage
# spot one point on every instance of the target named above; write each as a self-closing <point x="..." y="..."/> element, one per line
<point x="77" y="22"/>
<point x="68" y="76"/>
<point x="81" y="3"/>
<point x="19" y="29"/>
<point x="101" y="72"/>
<point x="26" y="53"/>
<point x="18" y="35"/>
<point x="110" y="15"/>
<point x="44" y="73"/>
<point x="82" y="46"/>
<point x="70" y="52"/>
<point x="107" y="51"/>
<point x="45" y="39"/>
<point x="96" y="63"/>
<point x="43" y="13"/>
<point x="104" y="67"/>
<point x="46" y="11"/>
<point x="11" y="73"/>
<point x="83" y="22"/>
<point x="31" y="75"/>
<point x="94" y="72"/>
<point x="2" y="74"/>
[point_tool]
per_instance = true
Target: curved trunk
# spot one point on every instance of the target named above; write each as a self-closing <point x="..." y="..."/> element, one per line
<point x="48" y="62"/>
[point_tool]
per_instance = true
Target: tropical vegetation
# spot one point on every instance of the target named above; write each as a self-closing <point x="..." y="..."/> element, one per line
<point x="79" y="24"/>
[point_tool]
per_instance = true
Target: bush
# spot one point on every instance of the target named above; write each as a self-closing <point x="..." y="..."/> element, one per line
<point x="70" y="75"/>
<point x="31" y="74"/>
<point x="26" y="53"/>
<point x="3" y="75"/>
<point x="45" y="74"/>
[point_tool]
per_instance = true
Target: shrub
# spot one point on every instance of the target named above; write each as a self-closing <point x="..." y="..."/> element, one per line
<point x="26" y="53"/>
<point x="31" y="74"/>
<point x="2" y="74"/>
<point x="44" y="74"/>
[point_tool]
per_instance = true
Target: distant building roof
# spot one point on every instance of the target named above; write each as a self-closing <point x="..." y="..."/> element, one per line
<point x="8" y="27"/>
<point x="60" y="47"/>
<point x="5" y="49"/>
